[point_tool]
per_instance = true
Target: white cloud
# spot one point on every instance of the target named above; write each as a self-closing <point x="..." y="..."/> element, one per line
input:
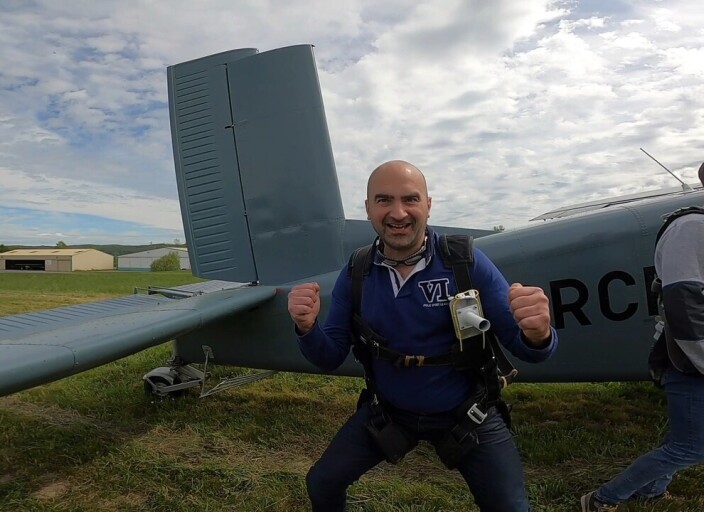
<point x="511" y="108"/>
<point x="57" y="194"/>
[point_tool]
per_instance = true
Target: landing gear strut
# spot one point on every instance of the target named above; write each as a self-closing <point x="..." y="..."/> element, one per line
<point x="173" y="381"/>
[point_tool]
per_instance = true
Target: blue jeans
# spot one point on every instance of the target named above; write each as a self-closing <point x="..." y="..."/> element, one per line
<point x="492" y="470"/>
<point x="650" y="474"/>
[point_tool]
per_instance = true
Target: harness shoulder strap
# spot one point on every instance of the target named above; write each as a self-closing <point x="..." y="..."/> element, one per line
<point x="671" y="217"/>
<point x="357" y="268"/>
<point x="457" y="253"/>
<point x="665" y="347"/>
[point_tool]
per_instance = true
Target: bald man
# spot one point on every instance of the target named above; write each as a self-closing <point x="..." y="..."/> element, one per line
<point x="405" y="308"/>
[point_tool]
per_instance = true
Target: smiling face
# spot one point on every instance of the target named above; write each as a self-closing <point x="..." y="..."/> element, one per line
<point x="398" y="206"/>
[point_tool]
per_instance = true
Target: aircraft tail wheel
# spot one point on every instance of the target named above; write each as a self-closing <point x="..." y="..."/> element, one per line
<point x="156" y="387"/>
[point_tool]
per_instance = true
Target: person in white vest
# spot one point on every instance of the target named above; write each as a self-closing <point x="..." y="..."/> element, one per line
<point x="679" y="264"/>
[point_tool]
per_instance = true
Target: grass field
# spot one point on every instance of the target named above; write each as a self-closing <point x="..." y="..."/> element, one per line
<point x="95" y="441"/>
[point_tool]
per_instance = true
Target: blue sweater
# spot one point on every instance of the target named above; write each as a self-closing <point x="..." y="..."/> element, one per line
<point x="414" y="317"/>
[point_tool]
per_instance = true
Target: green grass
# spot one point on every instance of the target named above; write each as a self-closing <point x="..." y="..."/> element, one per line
<point x="108" y="281"/>
<point x="95" y="441"/>
<point x="33" y="291"/>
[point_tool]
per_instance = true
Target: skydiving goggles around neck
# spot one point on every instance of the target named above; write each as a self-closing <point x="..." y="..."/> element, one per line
<point x="409" y="261"/>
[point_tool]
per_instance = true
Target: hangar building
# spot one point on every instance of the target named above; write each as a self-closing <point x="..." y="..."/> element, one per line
<point x="56" y="260"/>
<point x="143" y="260"/>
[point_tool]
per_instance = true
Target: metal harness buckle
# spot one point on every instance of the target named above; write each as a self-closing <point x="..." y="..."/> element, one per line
<point x="372" y="344"/>
<point x="476" y="415"/>
<point x="409" y="361"/>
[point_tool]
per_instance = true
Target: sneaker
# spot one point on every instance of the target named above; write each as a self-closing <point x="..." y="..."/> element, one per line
<point x="591" y="504"/>
<point x="648" y="499"/>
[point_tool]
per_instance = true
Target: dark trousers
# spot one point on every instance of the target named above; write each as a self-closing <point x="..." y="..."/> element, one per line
<point x="493" y="470"/>
<point x="650" y="474"/>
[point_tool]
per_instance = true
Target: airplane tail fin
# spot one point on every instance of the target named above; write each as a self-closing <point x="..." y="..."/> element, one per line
<point x="259" y="194"/>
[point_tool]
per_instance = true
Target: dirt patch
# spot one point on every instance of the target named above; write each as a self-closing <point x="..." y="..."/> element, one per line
<point x="51" y="491"/>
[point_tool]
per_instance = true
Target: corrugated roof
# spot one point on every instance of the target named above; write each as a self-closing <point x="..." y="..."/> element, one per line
<point x="181" y="251"/>
<point x="47" y="252"/>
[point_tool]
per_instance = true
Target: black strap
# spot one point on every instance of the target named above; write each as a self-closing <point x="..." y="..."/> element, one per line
<point x="363" y="338"/>
<point x="495" y="372"/>
<point x="358" y="268"/>
<point x="458" y="254"/>
<point x="671" y="217"/>
<point x="665" y="345"/>
<point x="400" y="360"/>
<point x="665" y="349"/>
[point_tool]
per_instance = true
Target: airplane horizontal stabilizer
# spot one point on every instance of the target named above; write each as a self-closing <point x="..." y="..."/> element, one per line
<point x="36" y="348"/>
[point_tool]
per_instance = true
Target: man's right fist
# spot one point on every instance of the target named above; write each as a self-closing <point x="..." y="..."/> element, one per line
<point x="304" y="305"/>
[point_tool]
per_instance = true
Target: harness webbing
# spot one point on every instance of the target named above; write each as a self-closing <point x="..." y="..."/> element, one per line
<point x="359" y="265"/>
<point x="457" y="254"/>
<point x="670" y="218"/>
<point x="665" y="349"/>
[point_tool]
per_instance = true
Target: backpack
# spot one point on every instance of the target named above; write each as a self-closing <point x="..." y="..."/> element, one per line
<point x="665" y="350"/>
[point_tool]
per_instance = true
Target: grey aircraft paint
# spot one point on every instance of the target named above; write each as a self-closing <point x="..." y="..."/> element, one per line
<point x="261" y="205"/>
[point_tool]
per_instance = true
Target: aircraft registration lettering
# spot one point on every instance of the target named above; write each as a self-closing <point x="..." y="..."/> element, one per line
<point x="561" y="306"/>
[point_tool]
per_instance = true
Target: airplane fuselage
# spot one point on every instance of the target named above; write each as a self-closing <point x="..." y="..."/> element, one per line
<point x="595" y="267"/>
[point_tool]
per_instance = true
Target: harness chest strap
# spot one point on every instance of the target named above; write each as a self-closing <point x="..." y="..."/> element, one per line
<point x="457" y="254"/>
<point x="376" y="346"/>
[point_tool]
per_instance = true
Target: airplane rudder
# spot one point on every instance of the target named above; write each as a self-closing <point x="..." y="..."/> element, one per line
<point x="256" y="175"/>
<point x="294" y="207"/>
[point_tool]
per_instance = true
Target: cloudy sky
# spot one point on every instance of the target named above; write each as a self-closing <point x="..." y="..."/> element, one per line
<point x="510" y="108"/>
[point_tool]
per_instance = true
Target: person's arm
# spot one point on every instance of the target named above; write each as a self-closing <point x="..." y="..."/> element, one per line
<point x="531" y="310"/>
<point x="680" y="258"/>
<point x="327" y="345"/>
<point x="519" y="316"/>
